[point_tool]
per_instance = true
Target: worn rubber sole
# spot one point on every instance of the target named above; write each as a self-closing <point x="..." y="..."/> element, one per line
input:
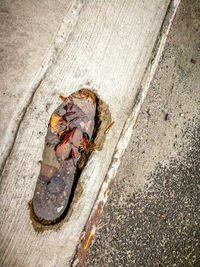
<point x="69" y="132"/>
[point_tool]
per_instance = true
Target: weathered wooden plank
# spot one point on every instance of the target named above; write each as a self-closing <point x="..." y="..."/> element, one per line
<point x="107" y="52"/>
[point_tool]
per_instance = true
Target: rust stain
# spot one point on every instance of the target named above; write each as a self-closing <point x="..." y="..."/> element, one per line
<point x="92" y="225"/>
<point x="88" y="237"/>
<point x="88" y="240"/>
<point x="109" y="127"/>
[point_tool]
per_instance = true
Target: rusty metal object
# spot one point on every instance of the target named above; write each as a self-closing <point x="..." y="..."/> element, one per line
<point x="69" y="131"/>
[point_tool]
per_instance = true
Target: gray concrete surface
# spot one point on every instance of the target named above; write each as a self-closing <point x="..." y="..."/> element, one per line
<point x="152" y="216"/>
<point x="27" y="30"/>
<point x="107" y="49"/>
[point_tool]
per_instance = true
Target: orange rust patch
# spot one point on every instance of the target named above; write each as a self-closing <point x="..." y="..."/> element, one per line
<point x="109" y="127"/>
<point x="89" y="234"/>
<point x="88" y="240"/>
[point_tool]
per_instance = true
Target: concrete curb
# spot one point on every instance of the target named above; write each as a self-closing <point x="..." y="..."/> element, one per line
<point x="106" y="189"/>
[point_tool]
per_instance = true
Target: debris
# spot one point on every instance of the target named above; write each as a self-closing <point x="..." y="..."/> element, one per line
<point x="166" y="117"/>
<point x="149" y="111"/>
<point x="109" y="127"/>
<point x="193" y="61"/>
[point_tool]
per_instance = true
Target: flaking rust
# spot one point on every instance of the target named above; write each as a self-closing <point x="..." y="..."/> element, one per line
<point x="69" y="132"/>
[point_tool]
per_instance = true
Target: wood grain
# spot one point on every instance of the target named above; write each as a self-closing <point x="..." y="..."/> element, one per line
<point x="107" y="52"/>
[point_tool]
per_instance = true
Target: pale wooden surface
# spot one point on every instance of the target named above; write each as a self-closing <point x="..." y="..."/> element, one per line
<point x="107" y="51"/>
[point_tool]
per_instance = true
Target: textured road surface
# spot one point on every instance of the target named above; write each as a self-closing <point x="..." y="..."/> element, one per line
<point x="152" y="216"/>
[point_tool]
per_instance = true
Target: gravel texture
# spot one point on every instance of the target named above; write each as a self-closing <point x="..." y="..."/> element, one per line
<point x="152" y="216"/>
